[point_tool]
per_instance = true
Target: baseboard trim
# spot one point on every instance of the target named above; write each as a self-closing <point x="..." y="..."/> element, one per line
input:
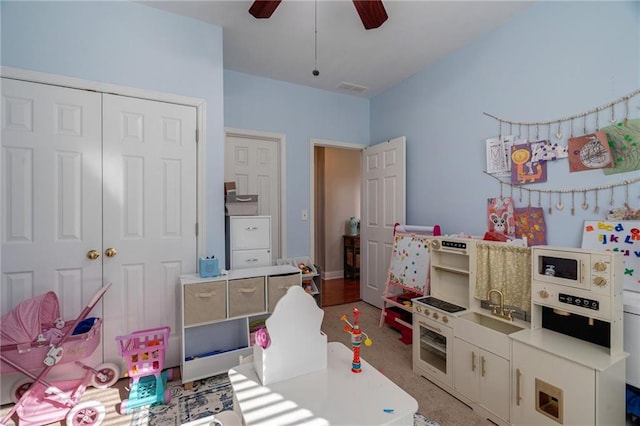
<point x="333" y="275"/>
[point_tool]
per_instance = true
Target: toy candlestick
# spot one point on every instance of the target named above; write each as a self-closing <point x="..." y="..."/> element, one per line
<point x="356" y="339"/>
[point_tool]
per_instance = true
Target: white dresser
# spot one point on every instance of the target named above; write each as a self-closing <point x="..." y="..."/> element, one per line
<point x="248" y="242"/>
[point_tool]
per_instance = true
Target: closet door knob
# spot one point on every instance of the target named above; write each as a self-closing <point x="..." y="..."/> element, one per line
<point x="93" y="254"/>
<point x="110" y="252"/>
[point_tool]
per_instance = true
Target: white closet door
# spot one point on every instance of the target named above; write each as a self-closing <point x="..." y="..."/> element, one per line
<point x="51" y="200"/>
<point x="149" y="190"/>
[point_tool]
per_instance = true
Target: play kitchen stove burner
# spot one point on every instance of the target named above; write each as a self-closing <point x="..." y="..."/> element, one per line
<point x="440" y="304"/>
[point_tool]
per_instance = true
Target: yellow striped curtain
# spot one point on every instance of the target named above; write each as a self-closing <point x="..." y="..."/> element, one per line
<point x="506" y="268"/>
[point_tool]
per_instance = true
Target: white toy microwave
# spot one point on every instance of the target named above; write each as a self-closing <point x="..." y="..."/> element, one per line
<point x="573" y="267"/>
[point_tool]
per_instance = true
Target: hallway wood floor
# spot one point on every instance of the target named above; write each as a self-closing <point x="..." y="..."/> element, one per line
<point x="339" y="291"/>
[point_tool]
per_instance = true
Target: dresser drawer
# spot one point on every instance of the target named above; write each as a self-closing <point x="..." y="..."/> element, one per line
<point x="241" y="259"/>
<point x="278" y="286"/>
<point x="251" y="232"/>
<point x="246" y="296"/>
<point x="204" y="302"/>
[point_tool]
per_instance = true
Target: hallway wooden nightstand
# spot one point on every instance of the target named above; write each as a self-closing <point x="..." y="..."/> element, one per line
<point x="351" y="256"/>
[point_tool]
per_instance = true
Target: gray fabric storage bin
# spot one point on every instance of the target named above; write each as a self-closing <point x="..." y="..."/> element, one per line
<point x="241" y="205"/>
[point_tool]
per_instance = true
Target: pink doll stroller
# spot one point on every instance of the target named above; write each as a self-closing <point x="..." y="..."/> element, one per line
<point x="34" y="338"/>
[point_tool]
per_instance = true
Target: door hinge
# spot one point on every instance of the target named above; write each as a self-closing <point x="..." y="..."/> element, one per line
<point x="197" y="135"/>
<point x="196" y="229"/>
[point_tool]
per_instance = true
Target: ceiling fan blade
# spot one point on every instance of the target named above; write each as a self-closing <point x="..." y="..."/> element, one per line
<point x="263" y="9"/>
<point x="372" y="13"/>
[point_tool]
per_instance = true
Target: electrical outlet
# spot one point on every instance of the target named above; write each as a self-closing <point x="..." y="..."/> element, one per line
<point x="304" y="215"/>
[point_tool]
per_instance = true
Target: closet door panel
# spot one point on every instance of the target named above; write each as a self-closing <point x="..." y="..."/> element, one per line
<point x="51" y="206"/>
<point x="149" y="214"/>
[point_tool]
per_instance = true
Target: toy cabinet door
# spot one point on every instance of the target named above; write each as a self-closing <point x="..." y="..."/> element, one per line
<point x="204" y="302"/>
<point x="246" y="296"/>
<point x="278" y="286"/>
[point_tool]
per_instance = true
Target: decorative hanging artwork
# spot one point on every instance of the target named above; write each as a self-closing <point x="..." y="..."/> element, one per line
<point x="589" y="152"/>
<point x="547" y="151"/>
<point x="529" y="222"/>
<point x="624" y="140"/>
<point x="500" y="216"/>
<point x="523" y="168"/>
<point x="498" y="155"/>
<point x="614" y="149"/>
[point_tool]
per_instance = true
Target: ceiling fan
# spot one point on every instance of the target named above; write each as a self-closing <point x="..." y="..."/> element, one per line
<point x="371" y="12"/>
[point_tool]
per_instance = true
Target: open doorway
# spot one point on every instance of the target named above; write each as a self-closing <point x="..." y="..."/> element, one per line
<point x="255" y="161"/>
<point x="336" y="182"/>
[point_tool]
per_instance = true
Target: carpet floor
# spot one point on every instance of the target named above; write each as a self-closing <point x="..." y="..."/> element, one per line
<point x="206" y="398"/>
<point x="212" y="395"/>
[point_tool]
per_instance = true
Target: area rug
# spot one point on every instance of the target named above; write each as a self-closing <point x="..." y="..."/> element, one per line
<point x="206" y="398"/>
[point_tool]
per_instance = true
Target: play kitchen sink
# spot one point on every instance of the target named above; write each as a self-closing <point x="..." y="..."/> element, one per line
<point x="486" y="332"/>
<point x="489" y="322"/>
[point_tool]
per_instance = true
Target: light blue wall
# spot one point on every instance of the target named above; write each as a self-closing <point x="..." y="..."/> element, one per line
<point x="131" y="45"/>
<point x="300" y="113"/>
<point x="137" y="46"/>
<point x="553" y="60"/>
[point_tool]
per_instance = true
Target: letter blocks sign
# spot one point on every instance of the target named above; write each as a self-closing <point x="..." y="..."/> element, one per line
<point x="619" y="236"/>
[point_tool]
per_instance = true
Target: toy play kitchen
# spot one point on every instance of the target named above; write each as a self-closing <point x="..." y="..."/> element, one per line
<point x="433" y="314"/>
<point x="564" y="365"/>
<point x="576" y="327"/>
<point x="458" y="345"/>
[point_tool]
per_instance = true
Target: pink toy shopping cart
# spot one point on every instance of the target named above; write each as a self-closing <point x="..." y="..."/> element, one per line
<point x="34" y="339"/>
<point x="144" y="353"/>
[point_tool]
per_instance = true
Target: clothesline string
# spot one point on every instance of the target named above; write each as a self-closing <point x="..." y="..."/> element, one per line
<point x="595" y="110"/>
<point x="566" y="191"/>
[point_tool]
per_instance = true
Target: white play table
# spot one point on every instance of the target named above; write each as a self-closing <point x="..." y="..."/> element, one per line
<point x="332" y="396"/>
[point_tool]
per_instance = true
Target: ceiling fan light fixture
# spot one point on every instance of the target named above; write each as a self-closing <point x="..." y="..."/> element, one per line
<point x="372" y="13"/>
<point x="263" y="9"/>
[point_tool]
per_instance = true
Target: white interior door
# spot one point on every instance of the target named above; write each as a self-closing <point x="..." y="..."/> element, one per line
<point x="51" y="200"/>
<point x="383" y="205"/>
<point x="68" y="189"/>
<point x="51" y="204"/>
<point x="253" y="163"/>
<point x="149" y="215"/>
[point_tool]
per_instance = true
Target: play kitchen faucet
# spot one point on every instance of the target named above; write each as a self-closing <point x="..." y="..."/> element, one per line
<point x="499" y="310"/>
